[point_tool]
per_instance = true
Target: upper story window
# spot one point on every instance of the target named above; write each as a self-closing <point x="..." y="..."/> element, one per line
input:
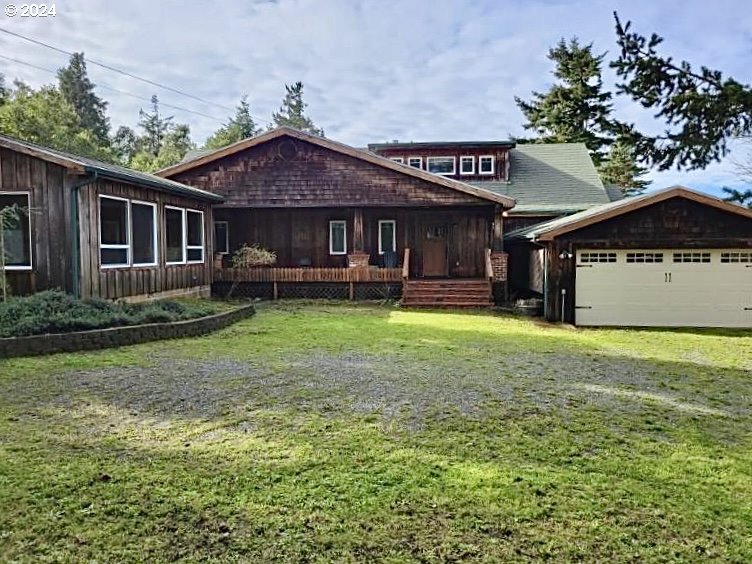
<point x="17" y="232"/>
<point x="467" y="165"/>
<point x="399" y="160"/>
<point x="441" y="165"/>
<point x="486" y="164"/>
<point x="415" y="162"/>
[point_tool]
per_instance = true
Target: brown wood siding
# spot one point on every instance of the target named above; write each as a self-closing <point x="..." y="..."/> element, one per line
<point x="289" y="172"/>
<point x="515" y="222"/>
<point x="298" y="235"/>
<point x="501" y="156"/>
<point x="49" y="190"/>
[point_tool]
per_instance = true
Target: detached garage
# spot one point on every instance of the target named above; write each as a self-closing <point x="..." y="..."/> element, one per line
<point x="674" y="258"/>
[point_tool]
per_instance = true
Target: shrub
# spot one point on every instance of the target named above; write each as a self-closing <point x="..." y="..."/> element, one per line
<point x="254" y="255"/>
<point x="57" y="312"/>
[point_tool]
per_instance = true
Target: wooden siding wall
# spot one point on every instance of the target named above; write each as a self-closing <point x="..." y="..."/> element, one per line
<point x="514" y="222"/>
<point x="113" y="283"/>
<point x="289" y="172"/>
<point x="672" y="223"/>
<point x="299" y="234"/>
<point x="501" y="160"/>
<point x="49" y="219"/>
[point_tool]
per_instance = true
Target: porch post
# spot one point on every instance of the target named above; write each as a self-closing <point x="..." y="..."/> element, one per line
<point x="497" y="240"/>
<point x="358" y="231"/>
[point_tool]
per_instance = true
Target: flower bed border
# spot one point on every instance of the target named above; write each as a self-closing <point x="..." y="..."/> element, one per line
<point x="96" y="339"/>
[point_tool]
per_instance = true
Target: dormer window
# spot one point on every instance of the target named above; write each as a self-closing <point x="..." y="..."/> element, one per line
<point x="444" y="166"/>
<point x="486" y="164"/>
<point x="415" y="162"/>
<point x="399" y="160"/>
<point x="467" y="165"/>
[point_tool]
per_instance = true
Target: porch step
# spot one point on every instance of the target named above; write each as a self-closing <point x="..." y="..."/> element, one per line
<point x="458" y="293"/>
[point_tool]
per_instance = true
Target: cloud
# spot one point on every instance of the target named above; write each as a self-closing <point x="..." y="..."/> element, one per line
<point x="373" y="69"/>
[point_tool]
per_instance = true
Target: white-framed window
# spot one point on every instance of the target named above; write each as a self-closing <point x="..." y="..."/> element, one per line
<point x="174" y="235"/>
<point x="415" y="162"/>
<point x="114" y="232"/>
<point x="387" y="236"/>
<point x="143" y="238"/>
<point x="222" y="237"/>
<point x="194" y="236"/>
<point x="441" y="165"/>
<point x="467" y="165"/>
<point x="17" y="236"/>
<point x="636" y="258"/>
<point x="399" y="160"/>
<point x="486" y="164"/>
<point x="597" y="257"/>
<point x="338" y="237"/>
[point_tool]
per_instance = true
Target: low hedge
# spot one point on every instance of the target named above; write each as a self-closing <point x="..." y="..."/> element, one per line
<point x="58" y="312"/>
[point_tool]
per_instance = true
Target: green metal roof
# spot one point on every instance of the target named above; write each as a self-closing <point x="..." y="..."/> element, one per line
<point x="440" y="145"/>
<point x="107" y="170"/>
<point x="551" y="178"/>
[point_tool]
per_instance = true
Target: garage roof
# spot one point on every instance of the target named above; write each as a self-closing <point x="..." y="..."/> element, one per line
<point x="549" y="230"/>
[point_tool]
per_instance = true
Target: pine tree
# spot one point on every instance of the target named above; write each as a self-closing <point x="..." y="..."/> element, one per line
<point x="4" y="92"/>
<point x="240" y="127"/>
<point x="576" y="109"/>
<point x="741" y="197"/>
<point x="78" y="91"/>
<point x="155" y="127"/>
<point x="292" y="111"/>
<point x="621" y="169"/>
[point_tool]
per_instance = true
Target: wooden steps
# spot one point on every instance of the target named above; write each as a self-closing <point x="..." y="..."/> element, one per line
<point x="450" y="293"/>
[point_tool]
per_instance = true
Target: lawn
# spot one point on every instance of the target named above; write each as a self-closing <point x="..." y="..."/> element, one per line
<point x="332" y="432"/>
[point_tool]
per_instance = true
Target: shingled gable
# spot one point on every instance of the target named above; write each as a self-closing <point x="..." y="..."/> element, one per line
<point x="393" y="183"/>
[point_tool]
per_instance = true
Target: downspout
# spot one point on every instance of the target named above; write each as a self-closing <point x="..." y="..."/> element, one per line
<point x="75" y="241"/>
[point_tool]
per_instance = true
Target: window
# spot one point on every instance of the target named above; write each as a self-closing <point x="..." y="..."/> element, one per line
<point x="399" y="160"/>
<point x="387" y="236"/>
<point x="597" y="257"/>
<point x="175" y="235"/>
<point x="337" y="237"/>
<point x="17" y="235"/>
<point x="114" y="244"/>
<point x="440" y="165"/>
<point x="195" y="236"/>
<point x="467" y="165"/>
<point x="415" y="162"/>
<point x="486" y="164"/>
<point x="736" y="257"/>
<point x="144" y="233"/>
<point x="644" y="257"/>
<point x="221" y="237"/>
<point x="691" y="257"/>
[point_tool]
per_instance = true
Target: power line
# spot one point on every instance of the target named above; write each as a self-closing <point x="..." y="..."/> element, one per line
<point x="125" y="93"/>
<point x="117" y="70"/>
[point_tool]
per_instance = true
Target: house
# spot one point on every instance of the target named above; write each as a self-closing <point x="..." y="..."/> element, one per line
<point x="674" y="257"/>
<point x="347" y="222"/>
<point x="99" y="230"/>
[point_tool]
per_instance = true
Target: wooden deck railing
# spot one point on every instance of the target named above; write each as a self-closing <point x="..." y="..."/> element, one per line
<point x="308" y="274"/>
<point x="489" y="265"/>
<point x="406" y="265"/>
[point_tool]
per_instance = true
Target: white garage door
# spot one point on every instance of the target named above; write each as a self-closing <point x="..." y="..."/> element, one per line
<point x="664" y="287"/>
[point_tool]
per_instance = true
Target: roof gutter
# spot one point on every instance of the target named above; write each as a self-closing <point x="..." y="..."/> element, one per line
<point x="74" y="227"/>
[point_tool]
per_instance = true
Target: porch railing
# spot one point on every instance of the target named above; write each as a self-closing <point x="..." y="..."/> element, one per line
<point x="308" y="274"/>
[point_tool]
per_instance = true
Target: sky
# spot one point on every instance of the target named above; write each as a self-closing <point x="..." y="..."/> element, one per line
<point x="373" y="70"/>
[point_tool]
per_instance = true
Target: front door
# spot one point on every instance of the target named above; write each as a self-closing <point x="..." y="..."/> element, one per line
<point x="435" y="251"/>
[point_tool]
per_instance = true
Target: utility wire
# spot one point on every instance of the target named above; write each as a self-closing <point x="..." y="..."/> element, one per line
<point x="117" y="70"/>
<point x="125" y="93"/>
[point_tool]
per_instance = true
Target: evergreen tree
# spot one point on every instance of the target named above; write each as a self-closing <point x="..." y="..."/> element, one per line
<point x="45" y="117"/>
<point x="741" y="197"/>
<point x="576" y="109"/>
<point x="155" y="127"/>
<point x="4" y="92"/>
<point x="125" y="144"/>
<point x="78" y="91"/>
<point x="702" y="109"/>
<point x="621" y="169"/>
<point x="162" y="144"/>
<point x="240" y="127"/>
<point x="292" y="111"/>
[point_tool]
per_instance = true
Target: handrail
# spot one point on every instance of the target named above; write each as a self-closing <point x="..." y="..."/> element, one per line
<point x="406" y="265"/>
<point x="489" y="265"/>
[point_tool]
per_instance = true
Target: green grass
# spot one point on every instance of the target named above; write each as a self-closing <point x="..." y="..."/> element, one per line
<point x="330" y="432"/>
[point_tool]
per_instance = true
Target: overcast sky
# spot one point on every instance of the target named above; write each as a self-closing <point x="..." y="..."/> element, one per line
<point x="374" y="70"/>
